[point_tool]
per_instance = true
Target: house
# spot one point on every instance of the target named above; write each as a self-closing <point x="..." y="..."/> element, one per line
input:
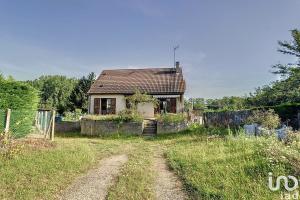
<point x="108" y="92"/>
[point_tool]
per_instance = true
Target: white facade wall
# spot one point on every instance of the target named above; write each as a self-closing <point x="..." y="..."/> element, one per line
<point x="179" y="105"/>
<point x="120" y="102"/>
<point x="146" y="110"/>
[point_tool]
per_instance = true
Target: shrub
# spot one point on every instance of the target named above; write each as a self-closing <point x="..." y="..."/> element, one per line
<point x="123" y="116"/>
<point x="171" y="118"/>
<point x="73" y="116"/>
<point x="22" y="99"/>
<point x="266" y="118"/>
<point x="8" y="149"/>
<point x="130" y="115"/>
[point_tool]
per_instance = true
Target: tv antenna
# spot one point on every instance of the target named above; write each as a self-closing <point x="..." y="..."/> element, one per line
<point x="174" y="49"/>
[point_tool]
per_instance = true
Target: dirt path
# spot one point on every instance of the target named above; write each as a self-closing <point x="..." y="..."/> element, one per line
<point x="95" y="183"/>
<point x="167" y="186"/>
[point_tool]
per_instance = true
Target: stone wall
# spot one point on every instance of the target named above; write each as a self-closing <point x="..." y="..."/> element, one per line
<point x="226" y="118"/>
<point x="101" y="127"/>
<point x="64" y="126"/>
<point x="163" y="128"/>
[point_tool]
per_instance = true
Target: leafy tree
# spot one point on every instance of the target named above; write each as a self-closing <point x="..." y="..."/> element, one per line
<point x="54" y="91"/>
<point x="79" y="98"/>
<point x="226" y="103"/>
<point x="289" y="48"/>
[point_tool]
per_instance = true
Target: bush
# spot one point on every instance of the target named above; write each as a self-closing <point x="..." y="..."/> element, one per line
<point x="123" y="116"/>
<point x="22" y="99"/>
<point x="266" y="118"/>
<point x="8" y="149"/>
<point x="73" y="116"/>
<point x="130" y="115"/>
<point x="171" y="118"/>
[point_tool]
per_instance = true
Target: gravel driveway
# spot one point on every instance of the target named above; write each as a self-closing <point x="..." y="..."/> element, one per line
<point x="95" y="184"/>
<point x="167" y="185"/>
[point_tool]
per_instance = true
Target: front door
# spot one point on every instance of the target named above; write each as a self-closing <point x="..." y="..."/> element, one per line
<point x="166" y="105"/>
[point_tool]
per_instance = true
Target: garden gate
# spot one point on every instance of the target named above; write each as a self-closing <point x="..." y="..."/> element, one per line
<point x="45" y="123"/>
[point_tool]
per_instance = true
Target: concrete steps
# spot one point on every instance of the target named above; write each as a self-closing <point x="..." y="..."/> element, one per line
<point x="150" y="127"/>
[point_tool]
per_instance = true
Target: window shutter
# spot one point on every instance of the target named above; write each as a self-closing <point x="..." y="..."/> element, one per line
<point x="96" y="106"/>
<point x="113" y="105"/>
<point x="173" y="105"/>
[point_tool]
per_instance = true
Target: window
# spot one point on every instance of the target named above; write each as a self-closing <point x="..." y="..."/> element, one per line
<point x="108" y="106"/>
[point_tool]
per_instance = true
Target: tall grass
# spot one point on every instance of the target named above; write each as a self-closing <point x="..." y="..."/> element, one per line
<point x="230" y="168"/>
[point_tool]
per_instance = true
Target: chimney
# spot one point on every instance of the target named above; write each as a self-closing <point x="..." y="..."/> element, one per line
<point x="177" y="67"/>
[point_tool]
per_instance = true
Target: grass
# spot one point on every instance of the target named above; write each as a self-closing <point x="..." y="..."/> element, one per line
<point x="225" y="168"/>
<point x="40" y="174"/>
<point x="136" y="179"/>
<point x="211" y="167"/>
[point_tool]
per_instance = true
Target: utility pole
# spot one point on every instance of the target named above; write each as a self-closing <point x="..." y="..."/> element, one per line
<point x="175" y="48"/>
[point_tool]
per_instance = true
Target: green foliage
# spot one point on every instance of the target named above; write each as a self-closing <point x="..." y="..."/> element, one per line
<point x="79" y="97"/>
<point x="195" y="103"/>
<point x="130" y="115"/>
<point x="139" y="97"/>
<point x="226" y="103"/>
<point x="266" y="118"/>
<point x="123" y="116"/>
<point x="22" y="99"/>
<point x="72" y="116"/>
<point x="171" y="118"/>
<point x="54" y="91"/>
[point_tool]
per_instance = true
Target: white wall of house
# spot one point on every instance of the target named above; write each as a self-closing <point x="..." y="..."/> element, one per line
<point x="146" y="110"/>
<point x="179" y="104"/>
<point x="120" y="102"/>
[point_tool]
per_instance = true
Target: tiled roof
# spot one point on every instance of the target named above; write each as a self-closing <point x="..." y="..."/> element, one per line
<point x="150" y="81"/>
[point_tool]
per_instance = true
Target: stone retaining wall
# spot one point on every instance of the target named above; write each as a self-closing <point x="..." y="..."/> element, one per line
<point x="64" y="126"/>
<point x="163" y="128"/>
<point x="226" y="118"/>
<point x="100" y="127"/>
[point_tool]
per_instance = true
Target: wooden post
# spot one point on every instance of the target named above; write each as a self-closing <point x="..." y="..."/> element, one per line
<point x="53" y="125"/>
<point x="7" y="123"/>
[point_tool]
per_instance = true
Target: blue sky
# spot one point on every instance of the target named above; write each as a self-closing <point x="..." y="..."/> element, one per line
<point x="226" y="47"/>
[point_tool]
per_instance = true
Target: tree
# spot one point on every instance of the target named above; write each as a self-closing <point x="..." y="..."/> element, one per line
<point x="79" y="97"/>
<point x="226" y="103"/>
<point x="54" y="91"/>
<point x="195" y="103"/>
<point x="290" y="48"/>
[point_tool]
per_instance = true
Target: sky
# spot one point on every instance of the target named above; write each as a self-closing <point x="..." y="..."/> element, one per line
<point x="226" y="47"/>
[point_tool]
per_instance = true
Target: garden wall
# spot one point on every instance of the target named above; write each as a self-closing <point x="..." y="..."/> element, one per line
<point x="102" y="127"/>
<point x="163" y="128"/>
<point x="226" y="118"/>
<point x="289" y="115"/>
<point x="67" y="126"/>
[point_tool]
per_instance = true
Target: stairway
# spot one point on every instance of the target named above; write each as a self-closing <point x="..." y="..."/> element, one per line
<point x="150" y="127"/>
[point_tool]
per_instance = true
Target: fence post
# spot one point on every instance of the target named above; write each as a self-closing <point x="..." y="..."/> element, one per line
<point x="53" y="125"/>
<point x="7" y="122"/>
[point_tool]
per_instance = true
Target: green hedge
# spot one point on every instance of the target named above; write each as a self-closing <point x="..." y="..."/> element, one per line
<point x="171" y="118"/>
<point x="22" y="99"/>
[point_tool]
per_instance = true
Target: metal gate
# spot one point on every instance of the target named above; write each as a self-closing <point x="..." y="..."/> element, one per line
<point x="45" y="123"/>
